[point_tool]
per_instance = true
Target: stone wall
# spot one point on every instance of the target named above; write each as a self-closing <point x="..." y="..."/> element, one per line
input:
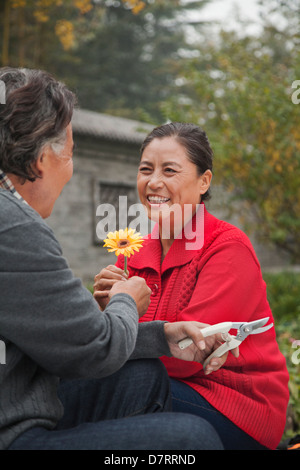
<point x="73" y="218"/>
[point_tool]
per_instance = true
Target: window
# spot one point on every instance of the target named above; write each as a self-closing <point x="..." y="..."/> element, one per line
<point x="112" y="203"/>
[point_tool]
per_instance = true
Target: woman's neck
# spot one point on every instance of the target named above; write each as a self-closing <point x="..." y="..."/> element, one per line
<point x="166" y="244"/>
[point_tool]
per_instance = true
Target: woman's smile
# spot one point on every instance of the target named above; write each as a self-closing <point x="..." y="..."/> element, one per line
<point x="157" y="200"/>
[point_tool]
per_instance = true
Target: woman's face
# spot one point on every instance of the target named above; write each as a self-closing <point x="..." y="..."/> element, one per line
<point x="166" y="177"/>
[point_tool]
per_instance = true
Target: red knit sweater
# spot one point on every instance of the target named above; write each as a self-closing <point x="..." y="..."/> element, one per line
<point x="222" y="281"/>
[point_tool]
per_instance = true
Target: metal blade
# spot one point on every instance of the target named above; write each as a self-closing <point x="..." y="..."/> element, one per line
<point x="257" y="323"/>
<point x="262" y="330"/>
<point x="253" y="327"/>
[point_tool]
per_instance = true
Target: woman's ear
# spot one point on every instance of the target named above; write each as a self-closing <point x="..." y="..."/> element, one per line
<point x="205" y="181"/>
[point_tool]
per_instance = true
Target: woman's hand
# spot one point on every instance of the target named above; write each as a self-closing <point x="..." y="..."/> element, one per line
<point x="104" y="282"/>
<point x="200" y="349"/>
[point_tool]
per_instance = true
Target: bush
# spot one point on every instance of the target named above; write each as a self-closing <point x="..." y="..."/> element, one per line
<point x="283" y="290"/>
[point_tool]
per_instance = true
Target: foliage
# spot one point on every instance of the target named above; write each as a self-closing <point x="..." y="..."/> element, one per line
<point x="289" y="344"/>
<point x="240" y="90"/>
<point x="283" y="291"/>
<point x="129" y="64"/>
<point x="284" y="296"/>
<point x="120" y="57"/>
<point x="66" y="11"/>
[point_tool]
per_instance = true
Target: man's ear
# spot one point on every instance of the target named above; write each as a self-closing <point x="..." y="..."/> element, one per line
<point x="41" y="162"/>
<point x="205" y="181"/>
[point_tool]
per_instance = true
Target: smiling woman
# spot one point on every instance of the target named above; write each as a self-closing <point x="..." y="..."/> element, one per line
<point x="216" y="282"/>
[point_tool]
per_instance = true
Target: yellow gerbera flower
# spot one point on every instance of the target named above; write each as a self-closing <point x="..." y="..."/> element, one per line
<point x="124" y="242"/>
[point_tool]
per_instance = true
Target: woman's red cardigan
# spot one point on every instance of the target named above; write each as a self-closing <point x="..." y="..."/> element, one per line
<point x="219" y="282"/>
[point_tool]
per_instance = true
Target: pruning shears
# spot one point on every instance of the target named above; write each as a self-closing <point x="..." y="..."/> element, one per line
<point x="244" y="329"/>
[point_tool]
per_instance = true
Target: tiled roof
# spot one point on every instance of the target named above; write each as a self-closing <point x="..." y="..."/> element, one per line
<point x="109" y="127"/>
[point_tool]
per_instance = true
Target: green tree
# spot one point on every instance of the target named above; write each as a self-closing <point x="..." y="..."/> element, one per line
<point x="240" y="91"/>
<point x="27" y="22"/>
<point x="129" y="65"/>
<point x="120" y="56"/>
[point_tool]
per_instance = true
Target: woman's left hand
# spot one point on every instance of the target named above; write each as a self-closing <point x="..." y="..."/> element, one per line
<point x="201" y="347"/>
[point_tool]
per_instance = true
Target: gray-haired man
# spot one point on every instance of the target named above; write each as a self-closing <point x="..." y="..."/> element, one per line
<point x="68" y="382"/>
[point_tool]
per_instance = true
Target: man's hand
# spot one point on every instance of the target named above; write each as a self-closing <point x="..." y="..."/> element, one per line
<point x="200" y="349"/>
<point x="137" y="288"/>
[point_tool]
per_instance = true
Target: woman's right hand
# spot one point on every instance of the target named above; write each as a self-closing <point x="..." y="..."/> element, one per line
<point x="104" y="282"/>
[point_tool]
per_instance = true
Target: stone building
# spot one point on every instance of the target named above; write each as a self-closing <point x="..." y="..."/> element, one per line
<point x="106" y="158"/>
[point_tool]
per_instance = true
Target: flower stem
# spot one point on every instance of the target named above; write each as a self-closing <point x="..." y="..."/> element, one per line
<point x="125" y="265"/>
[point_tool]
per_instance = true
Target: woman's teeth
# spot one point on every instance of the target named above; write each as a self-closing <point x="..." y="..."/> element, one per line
<point x="157" y="199"/>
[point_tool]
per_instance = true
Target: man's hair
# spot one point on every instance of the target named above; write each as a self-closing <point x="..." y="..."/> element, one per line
<point x="37" y="111"/>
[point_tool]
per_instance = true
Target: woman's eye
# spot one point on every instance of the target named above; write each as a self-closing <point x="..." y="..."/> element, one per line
<point x="169" y="170"/>
<point x="145" y="169"/>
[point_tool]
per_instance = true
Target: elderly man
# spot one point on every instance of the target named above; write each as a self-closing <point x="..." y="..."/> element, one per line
<point x="71" y="377"/>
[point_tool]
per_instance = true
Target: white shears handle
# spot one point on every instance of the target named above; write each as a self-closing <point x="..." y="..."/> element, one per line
<point x="230" y="342"/>
<point x="208" y="331"/>
<point x="224" y="348"/>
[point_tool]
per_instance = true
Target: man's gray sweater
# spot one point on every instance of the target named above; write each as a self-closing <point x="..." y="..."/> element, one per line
<point x="52" y="326"/>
